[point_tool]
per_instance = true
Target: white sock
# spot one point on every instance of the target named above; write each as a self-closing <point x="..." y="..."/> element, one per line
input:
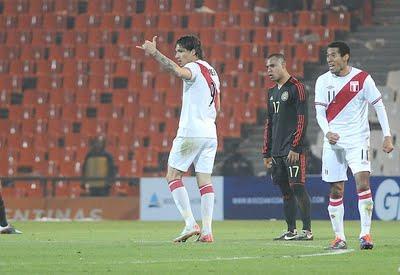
<point x="207" y="207"/>
<point x="182" y="201"/>
<point x="336" y="213"/>
<point x="365" y="206"/>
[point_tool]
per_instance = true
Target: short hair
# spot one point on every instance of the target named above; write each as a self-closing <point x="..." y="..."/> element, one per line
<point x="279" y="56"/>
<point x="191" y="42"/>
<point x="342" y="46"/>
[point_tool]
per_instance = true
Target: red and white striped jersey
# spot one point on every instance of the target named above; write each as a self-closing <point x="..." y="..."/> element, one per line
<point x="346" y="101"/>
<point x="198" y="111"/>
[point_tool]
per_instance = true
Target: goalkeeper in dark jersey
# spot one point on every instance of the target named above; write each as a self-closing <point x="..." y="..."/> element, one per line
<point x="283" y="147"/>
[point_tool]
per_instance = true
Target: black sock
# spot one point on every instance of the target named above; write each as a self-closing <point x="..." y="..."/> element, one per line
<point x="303" y="201"/>
<point x="3" y="219"/>
<point x="289" y="206"/>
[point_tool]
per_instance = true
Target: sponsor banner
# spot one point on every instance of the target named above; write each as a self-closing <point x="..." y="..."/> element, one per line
<point x="157" y="204"/>
<point x="258" y="198"/>
<point x="90" y="208"/>
<point x="386" y="193"/>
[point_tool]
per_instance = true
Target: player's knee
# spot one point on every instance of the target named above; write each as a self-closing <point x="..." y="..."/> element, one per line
<point x="337" y="191"/>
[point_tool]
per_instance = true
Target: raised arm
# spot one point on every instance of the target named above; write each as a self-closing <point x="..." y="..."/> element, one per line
<point x="150" y="47"/>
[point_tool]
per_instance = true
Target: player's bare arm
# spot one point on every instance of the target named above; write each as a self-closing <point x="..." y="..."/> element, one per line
<point x="150" y="47"/>
<point x="388" y="144"/>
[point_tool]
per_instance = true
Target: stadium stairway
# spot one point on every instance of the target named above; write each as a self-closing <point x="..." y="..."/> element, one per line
<point x="375" y="48"/>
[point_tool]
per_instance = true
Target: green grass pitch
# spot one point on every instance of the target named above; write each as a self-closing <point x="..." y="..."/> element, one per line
<point x="241" y="247"/>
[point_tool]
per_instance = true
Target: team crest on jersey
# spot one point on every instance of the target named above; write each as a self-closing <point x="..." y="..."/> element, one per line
<point x="285" y="96"/>
<point x="354" y="86"/>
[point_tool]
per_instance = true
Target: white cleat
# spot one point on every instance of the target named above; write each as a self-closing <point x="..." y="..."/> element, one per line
<point x="187" y="233"/>
<point x="9" y="229"/>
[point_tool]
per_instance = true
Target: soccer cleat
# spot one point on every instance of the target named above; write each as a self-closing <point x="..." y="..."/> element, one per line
<point x="287" y="236"/>
<point x="9" y="229"/>
<point x="304" y="235"/>
<point x="206" y="238"/>
<point x="187" y="233"/>
<point x="337" y="244"/>
<point x="366" y="242"/>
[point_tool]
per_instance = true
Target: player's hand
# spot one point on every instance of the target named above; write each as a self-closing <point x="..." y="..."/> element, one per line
<point x="268" y="163"/>
<point x="293" y="157"/>
<point x="149" y="47"/>
<point x="388" y="144"/>
<point x="332" y="137"/>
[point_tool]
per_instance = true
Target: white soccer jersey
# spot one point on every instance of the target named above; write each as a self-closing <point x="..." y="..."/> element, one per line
<point x="198" y="101"/>
<point x="346" y="101"/>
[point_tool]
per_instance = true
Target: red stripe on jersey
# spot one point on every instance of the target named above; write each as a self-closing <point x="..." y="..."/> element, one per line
<point x="344" y="96"/>
<point x="206" y="73"/>
<point x="299" y="130"/>
<point x="303" y="167"/>
<point x="266" y="133"/>
<point x="300" y="88"/>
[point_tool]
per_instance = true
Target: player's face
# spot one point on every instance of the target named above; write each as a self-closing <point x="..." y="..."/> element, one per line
<point x="275" y="69"/>
<point x="336" y="63"/>
<point x="184" y="56"/>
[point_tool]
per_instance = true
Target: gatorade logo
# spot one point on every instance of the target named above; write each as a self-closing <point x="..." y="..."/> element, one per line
<point x="387" y="200"/>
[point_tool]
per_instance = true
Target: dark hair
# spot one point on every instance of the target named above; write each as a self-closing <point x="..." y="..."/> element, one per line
<point x="342" y="46"/>
<point x="190" y="42"/>
<point x="279" y="56"/>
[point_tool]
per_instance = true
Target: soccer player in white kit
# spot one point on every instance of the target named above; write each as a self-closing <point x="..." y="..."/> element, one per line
<point x="196" y="139"/>
<point x="341" y="100"/>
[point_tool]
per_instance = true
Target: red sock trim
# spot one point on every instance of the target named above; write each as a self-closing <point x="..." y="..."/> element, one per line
<point x="365" y="194"/>
<point x="174" y="184"/>
<point x="208" y="188"/>
<point x="335" y="202"/>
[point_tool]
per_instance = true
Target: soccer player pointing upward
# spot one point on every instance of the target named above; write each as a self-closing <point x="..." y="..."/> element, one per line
<point x="341" y="100"/>
<point x="196" y="139"/>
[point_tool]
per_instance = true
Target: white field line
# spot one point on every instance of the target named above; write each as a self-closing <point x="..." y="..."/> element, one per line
<point x="216" y="259"/>
<point x="262" y="242"/>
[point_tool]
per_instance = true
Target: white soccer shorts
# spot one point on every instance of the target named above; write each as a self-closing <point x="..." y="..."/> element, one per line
<point x="336" y="160"/>
<point x="197" y="150"/>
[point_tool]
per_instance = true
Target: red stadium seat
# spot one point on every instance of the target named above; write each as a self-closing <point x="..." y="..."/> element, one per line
<point x="29" y="189"/>
<point x="307" y="52"/>
<point x="100" y="6"/>
<point x="223" y="20"/>
<point x="68" y="189"/>
<point x="265" y="36"/>
<point x="250" y="19"/>
<point x="306" y="19"/>
<point x="338" y="20"/>
<point x="280" y="19"/>
<point x="28" y="21"/>
<point x="53" y="21"/>
<point x="123" y="189"/>
<point x="168" y="21"/>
